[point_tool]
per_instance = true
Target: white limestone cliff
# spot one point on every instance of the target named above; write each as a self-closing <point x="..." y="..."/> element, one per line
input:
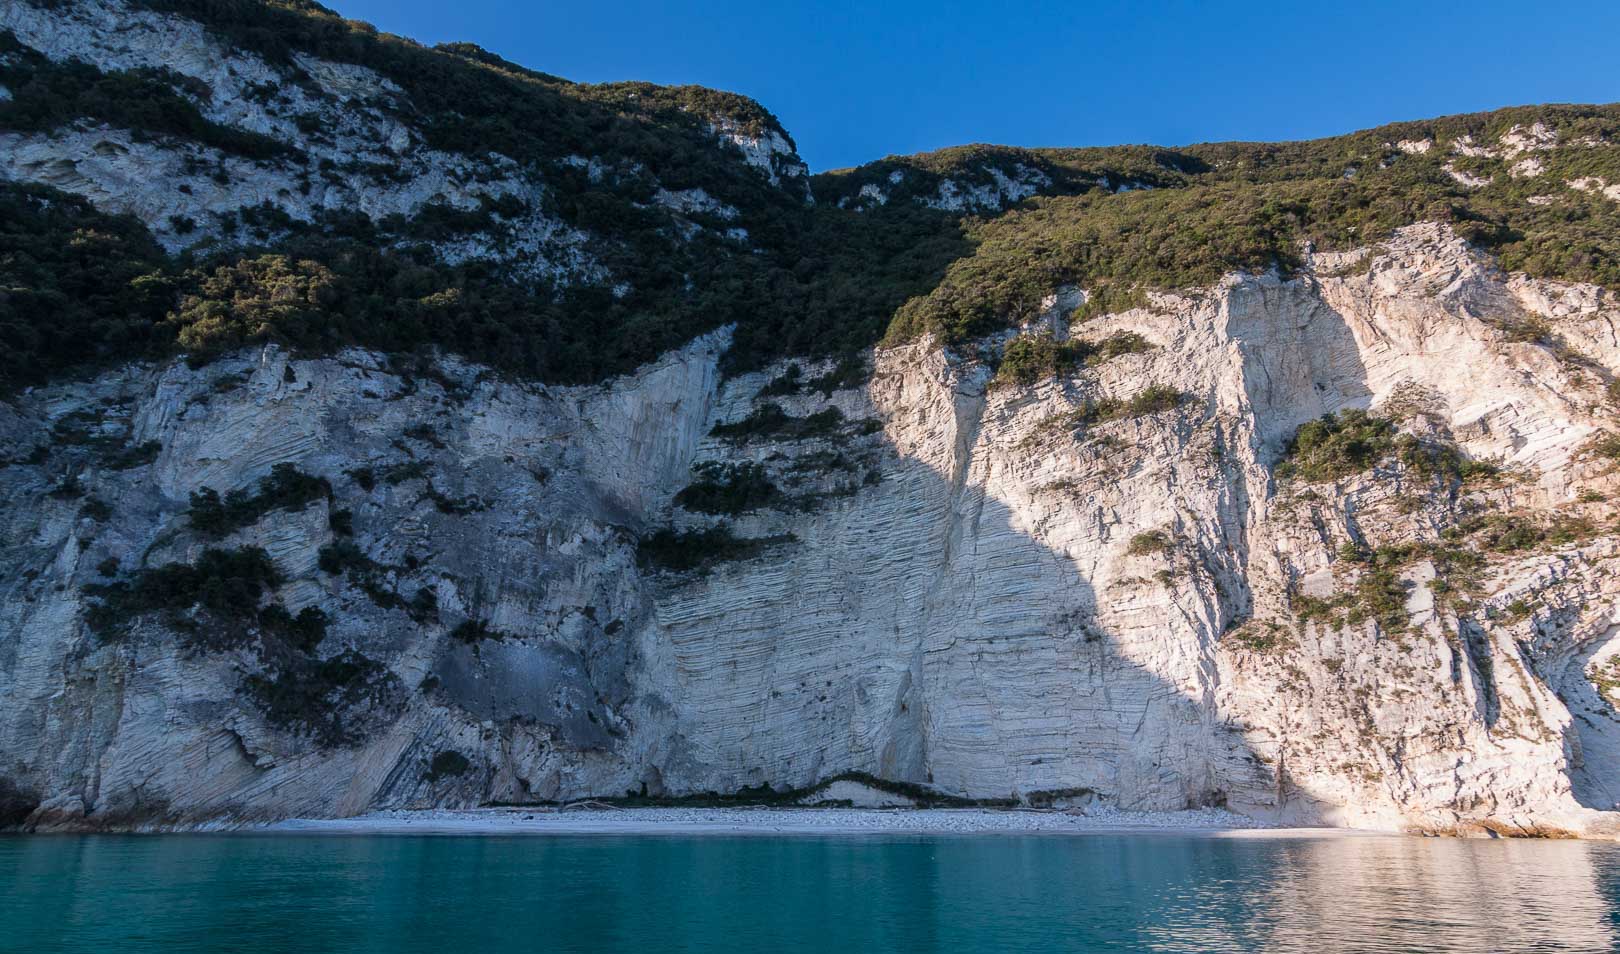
<point x="950" y="596"/>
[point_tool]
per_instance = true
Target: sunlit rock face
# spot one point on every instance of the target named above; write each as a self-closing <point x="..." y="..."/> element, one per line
<point x="950" y="580"/>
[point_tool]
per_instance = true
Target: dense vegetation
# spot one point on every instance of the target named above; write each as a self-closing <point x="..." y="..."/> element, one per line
<point x="78" y="287"/>
<point x="286" y="488"/>
<point x="219" y="603"/>
<point x="728" y="489"/>
<point x="1031" y="358"/>
<point x="1258" y="204"/>
<point x="685" y="551"/>
<point x="1337" y="445"/>
<point x="45" y="94"/>
<point x="224" y="587"/>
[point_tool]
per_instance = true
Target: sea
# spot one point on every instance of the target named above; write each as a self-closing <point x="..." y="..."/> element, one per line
<point x="646" y="894"/>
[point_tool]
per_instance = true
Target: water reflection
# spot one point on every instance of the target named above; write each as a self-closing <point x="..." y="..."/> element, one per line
<point x="1406" y="894"/>
<point x="975" y="893"/>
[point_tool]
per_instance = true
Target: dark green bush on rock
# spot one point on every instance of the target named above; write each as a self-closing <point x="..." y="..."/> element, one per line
<point x="47" y="94"/>
<point x="770" y="422"/>
<point x="728" y="489"/>
<point x="78" y="288"/>
<point x="1031" y="358"/>
<point x="474" y="631"/>
<point x="1336" y="446"/>
<point x="687" y="550"/>
<point x="224" y="588"/>
<point x="447" y="764"/>
<point x="286" y="488"/>
<point x="318" y="697"/>
<point x="252" y="301"/>
<point x="1150" y="542"/>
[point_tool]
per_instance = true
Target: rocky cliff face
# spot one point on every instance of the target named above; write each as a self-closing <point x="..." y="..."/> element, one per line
<point x="323" y="582"/>
<point x="948" y="582"/>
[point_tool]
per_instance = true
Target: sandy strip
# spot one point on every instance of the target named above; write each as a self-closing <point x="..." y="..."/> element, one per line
<point x="784" y="821"/>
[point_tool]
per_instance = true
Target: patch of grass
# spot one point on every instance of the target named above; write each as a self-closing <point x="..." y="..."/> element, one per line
<point x="1378" y="594"/>
<point x="1605" y="446"/>
<point x="1520" y="533"/>
<point x="1605" y="678"/>
<point x="1153" y="399"/>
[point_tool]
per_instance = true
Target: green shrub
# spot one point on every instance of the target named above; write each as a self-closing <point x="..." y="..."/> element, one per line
<point x="1379" y="595"/>
<point x="1153" y="399"/>
<point x="94" y="508"/>
<point x="1433" y="459"/>
<point x="1605" y="445"/>
<point x="849" y="371"/>
<point x="364" y="477"/>
<point x="47" y="94"/>
<point x="1148" y="543"/>
<point x="790" y="381"/>
<point x="1515" y="533"/>
<point x="1336" y="446"/>
<point x="315" y="697"/>
<point x="447" y="764"/>
<point x="303" y="632"/>
<point x="475" y="631"/>
<point x="82" y="288"/>
<point x="689" y="550"/>
<point x="138" y="456"/>
<point x="1031" y="358"/>
<point x="342" y="556"/>
<point x="286" y="488"/>
<point x="454" y="506"/>
<point x="425" y="433"/>
<point x="728" y="489"/>
<point x="1259" y="637"/>
<point x="223" y="586"/>
<point x="770" y="422"/>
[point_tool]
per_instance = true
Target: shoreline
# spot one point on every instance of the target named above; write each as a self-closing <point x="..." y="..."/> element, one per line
<point x="789" y="821"/>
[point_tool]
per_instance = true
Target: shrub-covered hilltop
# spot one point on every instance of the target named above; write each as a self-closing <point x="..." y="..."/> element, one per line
<point x="658" y="213"/>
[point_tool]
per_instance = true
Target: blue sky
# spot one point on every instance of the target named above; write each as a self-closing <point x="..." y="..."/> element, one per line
<point x="854" y="82"/>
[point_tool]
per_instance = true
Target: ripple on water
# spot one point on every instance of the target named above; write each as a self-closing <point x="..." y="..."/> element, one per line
<point x="648" y="894"/>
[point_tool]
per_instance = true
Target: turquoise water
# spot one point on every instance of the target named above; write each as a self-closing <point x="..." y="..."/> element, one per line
<point x="251" y="893"/>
